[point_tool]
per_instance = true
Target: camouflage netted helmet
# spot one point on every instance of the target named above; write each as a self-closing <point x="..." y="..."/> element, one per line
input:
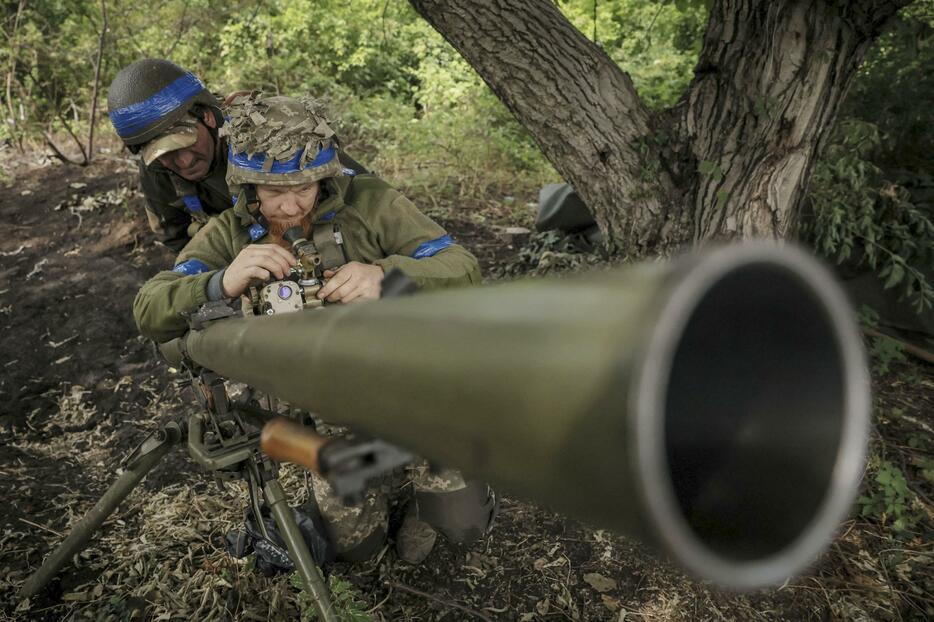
<point x="149" y="97"/>
<point x="277" y="140"/>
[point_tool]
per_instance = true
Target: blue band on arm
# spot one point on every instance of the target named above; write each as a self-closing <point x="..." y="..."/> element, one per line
<point x="134" y="118"/>
<point x="328" y="217"/>
<point x="240" y="160"/>
<point x="192" y="203"/>
<point x="256" y="231"/>
<point x="432" y="247"/>
<point x="191" y="267"/>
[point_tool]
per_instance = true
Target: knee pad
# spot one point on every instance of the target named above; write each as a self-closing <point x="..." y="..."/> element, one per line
<point x="365" y="549"/>
<point x="461" y="516"/>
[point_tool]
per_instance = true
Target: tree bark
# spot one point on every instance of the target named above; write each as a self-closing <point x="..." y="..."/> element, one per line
<point x="731" y="160"/>
<point x="768" y="84"/>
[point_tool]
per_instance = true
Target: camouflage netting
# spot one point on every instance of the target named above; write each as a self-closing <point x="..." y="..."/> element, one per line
<point x="277" y="126"/>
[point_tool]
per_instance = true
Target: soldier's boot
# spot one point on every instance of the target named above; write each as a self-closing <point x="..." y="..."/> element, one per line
<point x="415" y="538"/>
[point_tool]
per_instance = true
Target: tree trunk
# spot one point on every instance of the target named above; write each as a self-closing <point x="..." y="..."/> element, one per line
<point x="13" y="39"/>
<point x="768" y="84"/>
<point x="731" y="160"/>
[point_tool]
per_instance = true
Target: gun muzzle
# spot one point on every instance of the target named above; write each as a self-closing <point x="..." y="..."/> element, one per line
<point x="716" y="406"/>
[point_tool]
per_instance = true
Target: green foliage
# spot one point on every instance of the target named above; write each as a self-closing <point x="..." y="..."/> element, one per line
<point x="888" y="498"/>
<point x="895" y="88"/>
<point x="656" y="42"/>
<point x="710" y="168"/>
<point x="870" y="192"/>
<point x="924" y="464"/>
<point x="859" y="215"/>
<point x="883" y="351"/>
<point x="291" y="46"/>
<point x="344" y="597"/>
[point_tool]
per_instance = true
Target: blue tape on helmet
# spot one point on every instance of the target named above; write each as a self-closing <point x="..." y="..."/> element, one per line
<point x="135" y="118"/>
<point x="240" y="160"/>
<point x="256" y="231"/>
<point x="192" y="203"/>
<point x="432" y="247"/>
<point x="349" y="172"/>
<point x="191" y="267"/>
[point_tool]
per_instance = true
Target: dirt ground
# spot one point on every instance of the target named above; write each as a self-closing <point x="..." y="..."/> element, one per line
<point x="80" y="387"/>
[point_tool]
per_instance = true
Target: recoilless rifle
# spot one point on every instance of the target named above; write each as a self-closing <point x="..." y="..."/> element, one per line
<point x="715" y="406"/>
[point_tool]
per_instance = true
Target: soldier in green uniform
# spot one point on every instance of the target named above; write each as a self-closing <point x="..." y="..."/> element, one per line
<point x="165" y="114"/>
<point x="283" y="166"/>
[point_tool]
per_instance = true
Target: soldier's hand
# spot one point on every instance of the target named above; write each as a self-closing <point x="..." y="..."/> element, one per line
<point x="352" y="282"/>
<point x="257" y="262"/>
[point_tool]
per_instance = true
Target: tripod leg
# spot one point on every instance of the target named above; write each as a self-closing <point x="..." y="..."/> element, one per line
<point x="139" y="463"/>
<point x="301" y="556"/>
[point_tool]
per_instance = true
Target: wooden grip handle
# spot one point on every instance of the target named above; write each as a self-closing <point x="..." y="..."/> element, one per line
<point x="286" y="441"/>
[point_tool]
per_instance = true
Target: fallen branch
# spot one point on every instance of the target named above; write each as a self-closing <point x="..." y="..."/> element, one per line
<point x="440" y="601"/>
<point x="910" y="348"/>
<point x="42" y="527"/>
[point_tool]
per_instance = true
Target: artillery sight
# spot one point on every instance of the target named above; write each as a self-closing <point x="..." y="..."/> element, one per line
<point x="297" y="290"/>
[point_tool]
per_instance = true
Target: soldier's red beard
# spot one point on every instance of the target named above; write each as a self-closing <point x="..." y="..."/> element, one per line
<point x="278" y="227"/>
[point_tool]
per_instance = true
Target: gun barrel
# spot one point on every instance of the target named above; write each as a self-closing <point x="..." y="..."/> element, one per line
<point x="717" y="405"/>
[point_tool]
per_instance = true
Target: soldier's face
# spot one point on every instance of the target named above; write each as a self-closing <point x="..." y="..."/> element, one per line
<point x="287" y="203"/>
<point x="193" y="163"/>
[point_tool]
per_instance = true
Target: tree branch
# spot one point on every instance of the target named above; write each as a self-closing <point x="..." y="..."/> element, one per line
<point x="74" y="137"/>
<point x="97" y="79"/>
<point x="182" y="30"/>
<point x="578" y="105"/>
<point x="56" y="152"/>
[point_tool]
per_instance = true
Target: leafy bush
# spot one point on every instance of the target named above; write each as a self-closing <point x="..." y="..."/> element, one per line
<point x="883" y="351"/>
<point x="888" y="497"/>
<point x="860" y="215"/>
<point x="895" y="88"/>
<point x="344" y="597"/>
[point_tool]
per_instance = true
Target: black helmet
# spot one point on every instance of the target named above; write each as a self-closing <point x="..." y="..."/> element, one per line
<point x="149" y="96"/>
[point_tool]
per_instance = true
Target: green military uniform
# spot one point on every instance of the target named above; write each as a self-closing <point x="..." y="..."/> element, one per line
<point x="150" y="101"/>
<point x="378" y="226"/>
<point x="165" y="208"/>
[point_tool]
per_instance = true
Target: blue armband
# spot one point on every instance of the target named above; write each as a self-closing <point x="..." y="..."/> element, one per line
<point x="192" y="203"/>
<point x="432" y="247"/>
<point x="191" y="267"/>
